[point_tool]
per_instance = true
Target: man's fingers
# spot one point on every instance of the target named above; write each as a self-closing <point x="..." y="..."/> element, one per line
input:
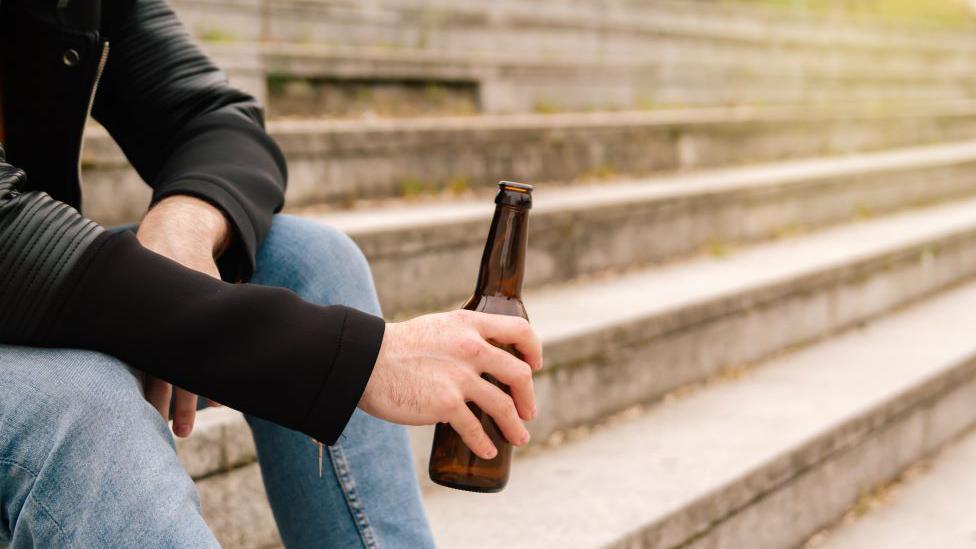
<point x="472" y="433"/>
<point x="511" y="330"/>
<point x="184" y="412"/>
<point x="494" y="402"/>
<point x="158" y="394"/>
<point x="512" y="372"/>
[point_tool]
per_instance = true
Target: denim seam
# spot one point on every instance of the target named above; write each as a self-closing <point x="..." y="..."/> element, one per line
<point x="348" y="485"/>
<point x="39" y="503"/>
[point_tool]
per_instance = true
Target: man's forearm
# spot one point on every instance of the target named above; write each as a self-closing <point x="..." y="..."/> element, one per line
<point x="187" y="230"/>
<point x="193" y="233"/>
<point x="189" y="219"/>
<point x="82" y="287"/>
<point x="257" y="349"/>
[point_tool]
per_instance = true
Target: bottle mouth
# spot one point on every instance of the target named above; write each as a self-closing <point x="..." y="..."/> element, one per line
<point x="512" y="193"/>
<point x="515" y="186"/>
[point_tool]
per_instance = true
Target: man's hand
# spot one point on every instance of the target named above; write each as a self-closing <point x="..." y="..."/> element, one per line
<point x="191" y="232"/>
<point x="430" y="367"/>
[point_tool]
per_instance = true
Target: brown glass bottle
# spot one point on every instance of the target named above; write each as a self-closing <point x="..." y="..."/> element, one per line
<point x="499" y="291"/>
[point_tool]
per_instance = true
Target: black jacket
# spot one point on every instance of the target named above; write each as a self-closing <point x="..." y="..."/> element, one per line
<point x="66" y="282"/>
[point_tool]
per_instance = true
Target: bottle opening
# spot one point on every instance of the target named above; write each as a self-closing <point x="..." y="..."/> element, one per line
<point x="514" y="194"/>
<point x="516" y="187"/>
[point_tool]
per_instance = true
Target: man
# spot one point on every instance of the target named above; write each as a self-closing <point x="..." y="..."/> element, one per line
<point x="95" y="323"/>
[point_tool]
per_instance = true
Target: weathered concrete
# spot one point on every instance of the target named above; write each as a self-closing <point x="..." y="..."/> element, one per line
<point x="589" y="229"/>
<point x="236" y="509"/>
<point x="640" y="335"/>
<point x="762" y="461"/>
<point x="932" y="508"/>
<point x="529" y="81"/>
<point x="558" y="55"/>
<point x="578" y="27"/>
<point x="221" y="441"/>
<point x="341" y="161"/>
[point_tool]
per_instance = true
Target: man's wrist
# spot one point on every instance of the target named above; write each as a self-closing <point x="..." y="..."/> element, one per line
<point x="208" y="223"/>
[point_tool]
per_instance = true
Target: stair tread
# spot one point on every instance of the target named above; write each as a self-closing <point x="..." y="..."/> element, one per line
<point x="932" y="508"/>
<point x="687" y="115"/>
<point x="280" y="54"/>
<point x="564" y="311"/>
<point x="621" y="478"/>
<point x="401" y="214"/>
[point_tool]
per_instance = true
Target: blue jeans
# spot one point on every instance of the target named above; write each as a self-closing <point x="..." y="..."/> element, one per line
<point x="86" y="462"/>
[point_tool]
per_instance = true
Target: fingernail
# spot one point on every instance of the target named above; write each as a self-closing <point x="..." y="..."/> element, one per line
<point x="525" y="438"/>
<point x="181" y="430"/>
<point x="491" y="453"/>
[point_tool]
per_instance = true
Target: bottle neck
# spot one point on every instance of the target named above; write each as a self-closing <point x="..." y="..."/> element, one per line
<point x="503" y="263"/>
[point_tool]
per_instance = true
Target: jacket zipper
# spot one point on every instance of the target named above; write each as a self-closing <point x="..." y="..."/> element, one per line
<point x="91" y="102"/>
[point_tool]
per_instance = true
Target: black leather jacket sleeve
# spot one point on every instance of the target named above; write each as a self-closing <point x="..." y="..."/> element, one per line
<point x="66" y="282"/>
<point x="185" y="130"/>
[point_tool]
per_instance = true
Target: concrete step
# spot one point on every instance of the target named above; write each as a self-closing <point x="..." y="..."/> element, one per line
<point x="311" y="80"/>
<point x="761" y="461"/>
<point x="508" y="25"/>
<point x="331" y="57"/>
<point x="590" y="229"/>
<point x="641" y="335"/>
<point x="929" y="505"/>
<point x="341" y="161"/>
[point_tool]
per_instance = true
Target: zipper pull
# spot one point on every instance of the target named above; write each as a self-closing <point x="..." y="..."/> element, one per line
<point x="321" y="452"/>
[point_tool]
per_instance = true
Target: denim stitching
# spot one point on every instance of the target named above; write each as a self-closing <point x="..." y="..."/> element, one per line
<point x="348" y="485"/>
<point x="64" y="536"/>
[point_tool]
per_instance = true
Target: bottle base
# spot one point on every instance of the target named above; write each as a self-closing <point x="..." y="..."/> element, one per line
<point x="460" y="485"/>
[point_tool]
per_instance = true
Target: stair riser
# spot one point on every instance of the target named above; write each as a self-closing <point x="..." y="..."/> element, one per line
<point x="546" y="86"/>
<point x="790" y="499"/>
<point x="704" y="56"/>
<point x="592" y="376"/>
<point x="221" y="441"/>
<point x="422" y="267"/>
<point x="236" y="508"/>
<point x="525" y="27"/>
<point x="342" y="163"/>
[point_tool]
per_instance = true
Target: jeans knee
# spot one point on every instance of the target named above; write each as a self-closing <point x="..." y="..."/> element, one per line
<point x="319" y="263"/>
<point x="55" y="397"/>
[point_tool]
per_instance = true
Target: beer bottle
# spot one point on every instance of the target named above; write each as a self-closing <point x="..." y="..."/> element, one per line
<point x="499" y="291"/>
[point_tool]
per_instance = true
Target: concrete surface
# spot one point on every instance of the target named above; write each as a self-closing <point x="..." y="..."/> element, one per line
<point x="342" y="161"/>
<point x="591" y="26"/>
<point x="420" y="252"/>
<point x="936" y="508"/>
<point x="221" y="442"/>
<point x="529" y="56"/>
<point x="523" y="81"/>
<point x="236" y="508"/>
<point x="797" y="439"/>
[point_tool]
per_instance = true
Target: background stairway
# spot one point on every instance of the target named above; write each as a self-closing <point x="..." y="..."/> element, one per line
<point x="752" y="255"/>
<point x="519" y="56"/>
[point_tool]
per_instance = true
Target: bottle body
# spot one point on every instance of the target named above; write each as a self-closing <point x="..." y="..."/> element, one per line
<point x="452" y="463"/>
<point x="498" y="291"/>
